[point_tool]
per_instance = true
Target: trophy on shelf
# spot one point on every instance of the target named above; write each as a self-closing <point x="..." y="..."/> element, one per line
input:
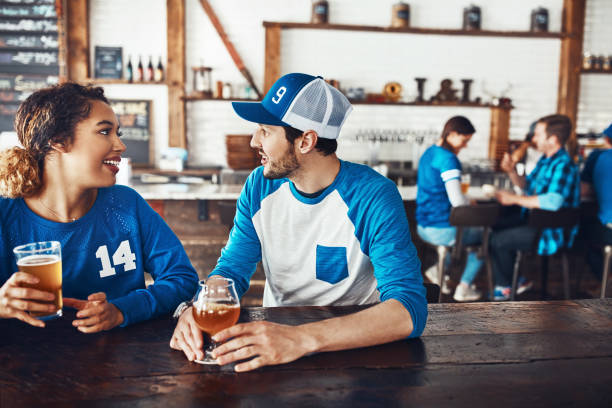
<point x="446" y="93"/>
<point x="420" y="89"/>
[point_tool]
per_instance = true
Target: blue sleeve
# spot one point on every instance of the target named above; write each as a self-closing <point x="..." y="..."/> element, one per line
<point x="450" y="167"/>
<point x="550" y="201"/>
<point x="165" y="259"/>
<point x="243" y="250"/>
<point x="387" y="242"/>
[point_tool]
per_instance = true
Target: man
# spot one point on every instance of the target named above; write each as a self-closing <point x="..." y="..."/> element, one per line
<point x="551" y="185"/>
<point x="596" y="181"/>
<point x="328" y="232"/>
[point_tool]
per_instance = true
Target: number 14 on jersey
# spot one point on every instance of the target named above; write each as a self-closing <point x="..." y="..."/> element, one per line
<point x="122" y="256"/>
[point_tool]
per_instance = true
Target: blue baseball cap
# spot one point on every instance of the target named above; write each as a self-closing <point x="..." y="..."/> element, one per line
<point x="302" y="101"/>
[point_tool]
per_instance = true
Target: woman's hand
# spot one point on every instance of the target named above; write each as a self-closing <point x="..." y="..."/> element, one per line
<point x="16" y="300"/>
<point x="95" y="314"/>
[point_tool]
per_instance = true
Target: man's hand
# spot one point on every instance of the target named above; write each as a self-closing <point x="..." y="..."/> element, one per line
<point x="264" y="343"/>
<point x="187" y="337"/>
<point x="16" y="300"/>
<point x="95" y="314"/>
<point x="507" y="164"/>
<point x="505" y="197"/>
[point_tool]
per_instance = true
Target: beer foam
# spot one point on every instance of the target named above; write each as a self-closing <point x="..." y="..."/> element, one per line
<point x="31" y="260"/>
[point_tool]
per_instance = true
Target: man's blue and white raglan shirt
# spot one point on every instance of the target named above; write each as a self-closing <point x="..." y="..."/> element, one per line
<point x="436" y="167"/>
<point x="108" y="250"/>
<point x="349" y="245"/>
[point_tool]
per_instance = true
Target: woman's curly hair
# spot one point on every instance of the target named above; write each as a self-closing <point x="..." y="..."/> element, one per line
<point x="46" y="117"/>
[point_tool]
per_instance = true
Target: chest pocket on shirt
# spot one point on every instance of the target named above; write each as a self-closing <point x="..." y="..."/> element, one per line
<point x="331" y="264"/>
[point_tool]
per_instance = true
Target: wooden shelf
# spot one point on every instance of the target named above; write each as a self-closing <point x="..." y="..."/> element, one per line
<point x="113" y="81"/>
<point x="196" y="97"/>
<point x="202" y="172"/>
<point x="427" y="31"/>
<point x="595" y="71"/>
<point x="437" y="104"/>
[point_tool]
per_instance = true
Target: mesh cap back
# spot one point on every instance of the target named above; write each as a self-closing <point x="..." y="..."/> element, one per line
<point x="320" y="107"/>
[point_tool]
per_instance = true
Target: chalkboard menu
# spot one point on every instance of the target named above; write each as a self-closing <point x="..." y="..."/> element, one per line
<point x="108" y="62"/>
<point x="28" y="52"/>
<point x="135" y="120"/>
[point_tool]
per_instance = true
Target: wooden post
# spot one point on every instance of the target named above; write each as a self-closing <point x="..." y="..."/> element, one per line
<point x="77" y="30"/>
<point x="499" y="134"/>
<point x="175" y="73"/>
<point x="570" y="63"/>
<point x="272" y="56"/>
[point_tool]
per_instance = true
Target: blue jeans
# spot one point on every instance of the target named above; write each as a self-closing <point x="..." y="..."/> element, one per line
<point x="446" y="236"/>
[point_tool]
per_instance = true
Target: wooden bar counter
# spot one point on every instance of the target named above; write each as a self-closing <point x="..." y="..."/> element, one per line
<point x="528" y="354"/>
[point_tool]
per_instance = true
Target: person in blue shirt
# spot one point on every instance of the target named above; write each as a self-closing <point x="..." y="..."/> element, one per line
<point x="328" y="232"/>
<point x="439" y="189"/>
<point x="59" y="186"/>
<point x="596" y="180"/>
<point x="553" y="184"/>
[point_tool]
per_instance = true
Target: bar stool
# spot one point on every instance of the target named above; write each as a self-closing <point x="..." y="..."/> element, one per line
<point x="566" y="218"/>
<point x="480" y="215"/>
<point x="606" y="269"/>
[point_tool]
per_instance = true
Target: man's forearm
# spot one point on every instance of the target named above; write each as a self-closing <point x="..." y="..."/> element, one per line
<point x="383" y="323"/>
<point x="527" y="201"/>
<point x="517" y="180"/>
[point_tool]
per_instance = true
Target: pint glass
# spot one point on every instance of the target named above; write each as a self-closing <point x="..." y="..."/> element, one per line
<point x="43" y="260"/>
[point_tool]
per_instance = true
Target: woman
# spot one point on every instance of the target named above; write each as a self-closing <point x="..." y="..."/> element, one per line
<point x="439" y="188"/>
<point x="60" y="187"/>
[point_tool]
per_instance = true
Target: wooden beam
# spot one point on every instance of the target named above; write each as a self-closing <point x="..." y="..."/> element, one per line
<point x="571" y="63"/>
<point x="272" y="56"/>
<point x="499" y="133"/>
<point x="77" y="32"/>
<point x="175" y="73"/>
<point x="62" y="39"/>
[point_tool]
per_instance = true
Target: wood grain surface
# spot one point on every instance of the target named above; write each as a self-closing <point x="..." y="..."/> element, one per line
<point x="554" y="353"/>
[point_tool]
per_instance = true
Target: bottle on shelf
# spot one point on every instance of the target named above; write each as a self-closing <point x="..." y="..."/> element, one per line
<point x="150" y="71"/>
<point x="159" y="71"/>
<point x="129" y="70"/>
<point x="139" y="77"/>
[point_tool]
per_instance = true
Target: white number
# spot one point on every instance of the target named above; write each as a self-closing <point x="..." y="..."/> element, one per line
<point x="122" y="256"/>
<point x="107" y="269"/>
<point x="279" y="94"/>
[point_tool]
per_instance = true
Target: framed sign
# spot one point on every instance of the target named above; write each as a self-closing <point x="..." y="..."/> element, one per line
<point x="135" y="120"/>
<point x="108" y="62"/>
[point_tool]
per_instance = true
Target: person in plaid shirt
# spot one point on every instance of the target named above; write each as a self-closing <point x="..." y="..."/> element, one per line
<point x="553" y="184"/>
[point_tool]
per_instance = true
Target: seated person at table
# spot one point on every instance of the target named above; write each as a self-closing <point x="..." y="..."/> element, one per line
<point x="328" y="232"/>
<point x="596" y="179"/>
<point x="439" y="189"/>
<point x="553" y="184"/>
<point x="60" y="187"/>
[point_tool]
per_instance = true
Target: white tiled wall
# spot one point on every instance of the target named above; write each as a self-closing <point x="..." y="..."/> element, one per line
<point x="370" y="60"/>
<point x="595" y="103"/>
<point x="362" y="59"/>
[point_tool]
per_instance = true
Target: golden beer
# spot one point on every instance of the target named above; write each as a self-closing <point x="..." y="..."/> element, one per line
<point x="43" y="260"/>
<point x="211" y="318"/>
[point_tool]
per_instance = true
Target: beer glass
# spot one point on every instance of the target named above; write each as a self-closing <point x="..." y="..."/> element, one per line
<point x="43" y="260"/>
<point x="216" y="308"/>
<point x="465" y="183"/>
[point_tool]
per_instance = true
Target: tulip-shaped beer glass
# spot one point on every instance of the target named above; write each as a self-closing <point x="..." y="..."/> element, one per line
<point x="216" y="308"/>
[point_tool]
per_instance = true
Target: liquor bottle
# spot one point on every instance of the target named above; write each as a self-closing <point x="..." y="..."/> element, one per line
<point x="139" y="70"/>
<point x="129" y="70"/>
<point x="150" y="74"/>
<point x="159" y="71"/>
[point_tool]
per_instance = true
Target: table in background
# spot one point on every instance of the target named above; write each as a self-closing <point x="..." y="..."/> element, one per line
<point x="555" y="353"/>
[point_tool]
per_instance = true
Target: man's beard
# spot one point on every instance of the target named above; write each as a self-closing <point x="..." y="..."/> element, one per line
<point x="284" y="167"/>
